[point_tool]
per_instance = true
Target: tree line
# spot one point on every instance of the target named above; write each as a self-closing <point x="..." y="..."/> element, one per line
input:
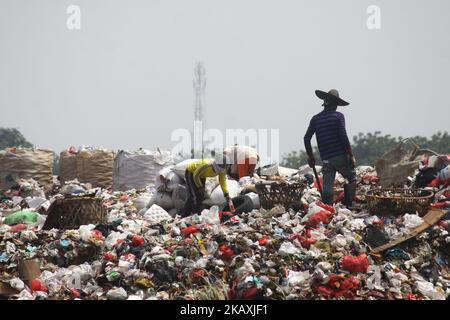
<point x="369" y="147"/>
<point x="12" y="137"/>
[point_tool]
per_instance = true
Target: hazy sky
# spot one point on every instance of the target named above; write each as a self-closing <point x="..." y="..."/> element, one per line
<point x="125" y="79"/>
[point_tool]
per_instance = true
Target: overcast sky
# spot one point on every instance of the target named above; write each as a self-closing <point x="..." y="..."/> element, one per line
<point x="125" y="79"/>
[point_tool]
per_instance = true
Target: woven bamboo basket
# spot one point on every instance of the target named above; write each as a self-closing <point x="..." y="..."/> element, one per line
<point x="286" y="194"/>
<point x="397" y="201"/>
<point x="72" y="212"/>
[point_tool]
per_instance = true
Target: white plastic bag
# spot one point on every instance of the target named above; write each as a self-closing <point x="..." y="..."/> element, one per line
<point x="427" y="289"/>
<point x="112" y="238"/>
<point x="117" y="294"/>
<point x="86" y="232"/>
<point x="142" y="201"/>
<point x="297" y="278"/>
<point x="412" y="221"/>
<point x="287" y="248"/>
<point x="211" y="216"/>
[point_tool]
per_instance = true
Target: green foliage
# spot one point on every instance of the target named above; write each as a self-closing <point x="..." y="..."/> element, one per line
<point x="296" y="159"/>
<point x="11" y="137"/>
<point x="369" y="147"/>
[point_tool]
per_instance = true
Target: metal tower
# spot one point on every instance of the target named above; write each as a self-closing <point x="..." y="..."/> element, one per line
<point x="199" y="84"/>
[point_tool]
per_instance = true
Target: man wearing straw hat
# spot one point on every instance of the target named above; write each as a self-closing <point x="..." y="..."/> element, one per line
<point x="334" y="146"/>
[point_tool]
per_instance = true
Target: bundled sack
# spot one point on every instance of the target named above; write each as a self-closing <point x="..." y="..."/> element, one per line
<point x="167" y="179"/>
<point x="67" y="166"/>
<point x="26" y="163"/>
<point x="88" y="166"/>
<point x="180" y="195"/>
<point x="216" y="196"/>
<point x="180" y="168"/>
<point x="162" y="199"/>
<point x="138" y="169"/>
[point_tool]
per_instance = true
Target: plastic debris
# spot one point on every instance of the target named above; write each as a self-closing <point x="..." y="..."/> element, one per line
<point x="142" y="251"/>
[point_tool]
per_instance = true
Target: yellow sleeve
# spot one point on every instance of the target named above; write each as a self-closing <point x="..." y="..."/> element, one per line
<point x="223" y="182"/>
<point x="198" y="175"/>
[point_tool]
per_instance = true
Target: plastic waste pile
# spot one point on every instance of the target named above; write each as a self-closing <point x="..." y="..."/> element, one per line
<point x="145" y="251"/>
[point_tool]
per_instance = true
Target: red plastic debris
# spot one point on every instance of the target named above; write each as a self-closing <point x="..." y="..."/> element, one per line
<point x="18" y="228"/>
<point x="109" y="256"/>
<point x="190" y="230"/>
<point x="124" y="198"/>
<point x="326" y="207"/>
<point x="322" y="216"/>
<point x="308" y="233"/>
<point x="370" y="179"/>
<point x="437" y="182"/>
<point x="263" y="241"/>
<point x="379" y="222"/>
<point x="75" y="293"/>
<point x="137" y="240"/>
<point x="440" y="205"/>
<point x="97" y="234"/>
<point x="355" y="264"/>
<point x="38" y="285"/>
<point x="196" y="275"/>
<point x="225" y="216"/>
<point x="250" y="293"/>
<point x="226" y="252"/>
<point x="339" y="286"/>
<point x="129" y="257"/>
<point x="304" y="241"/>
<point x="72" y="150"/>
<point x="315" y="183"/>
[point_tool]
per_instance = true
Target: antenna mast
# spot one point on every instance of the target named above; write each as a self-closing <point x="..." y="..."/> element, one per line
<point x="199" y="84"/>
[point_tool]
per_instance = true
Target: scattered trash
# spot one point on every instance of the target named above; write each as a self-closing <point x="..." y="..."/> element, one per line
<point x="141" y="250"/>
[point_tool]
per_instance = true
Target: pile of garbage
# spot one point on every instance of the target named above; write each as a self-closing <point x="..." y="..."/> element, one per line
<point x="145" y="250"/>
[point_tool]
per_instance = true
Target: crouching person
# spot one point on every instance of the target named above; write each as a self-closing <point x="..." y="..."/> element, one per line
<point x="196" y="174"/>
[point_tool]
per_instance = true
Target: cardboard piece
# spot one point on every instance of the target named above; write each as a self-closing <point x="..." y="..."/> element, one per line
<point x="7" y="290"/>
<point x="29" y="270"/>
<point x="429" y="220"/>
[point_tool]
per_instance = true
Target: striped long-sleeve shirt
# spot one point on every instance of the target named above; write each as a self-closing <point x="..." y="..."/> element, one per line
<point x="332" y="140"/>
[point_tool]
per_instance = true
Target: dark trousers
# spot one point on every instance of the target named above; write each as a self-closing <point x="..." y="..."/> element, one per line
<point x="195" y="197"/>
<point x="342" y="165"/>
